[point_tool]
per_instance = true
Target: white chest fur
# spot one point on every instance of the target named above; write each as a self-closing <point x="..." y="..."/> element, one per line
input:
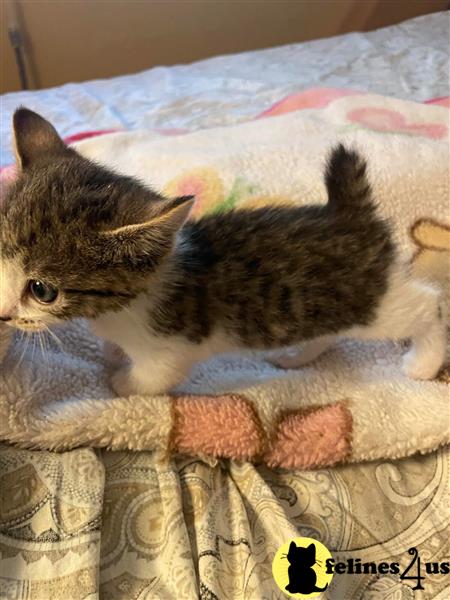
<point x="127" y="328"/>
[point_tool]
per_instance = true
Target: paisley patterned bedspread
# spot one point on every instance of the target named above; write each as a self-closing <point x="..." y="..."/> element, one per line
<point x="83" y="524"/>
<point x="119" y="525"/>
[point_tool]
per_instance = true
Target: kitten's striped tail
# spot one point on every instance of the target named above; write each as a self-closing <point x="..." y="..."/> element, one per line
<point x="346" y="181"/>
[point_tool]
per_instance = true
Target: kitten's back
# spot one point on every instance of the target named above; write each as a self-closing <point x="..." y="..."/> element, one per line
<point x="276" y="276"/>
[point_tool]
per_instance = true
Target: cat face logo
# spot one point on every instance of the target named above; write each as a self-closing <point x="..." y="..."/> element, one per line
<point x="299" y="568"/>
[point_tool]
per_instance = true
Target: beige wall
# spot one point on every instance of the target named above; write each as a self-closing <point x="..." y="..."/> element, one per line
<point x="75" y="40"/>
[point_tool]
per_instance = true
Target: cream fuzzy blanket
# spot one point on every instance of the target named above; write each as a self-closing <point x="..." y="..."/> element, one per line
<point x="352" y="404"/>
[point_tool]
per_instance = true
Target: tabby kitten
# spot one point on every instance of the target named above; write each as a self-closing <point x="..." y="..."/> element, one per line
<point x="79" y="240"/>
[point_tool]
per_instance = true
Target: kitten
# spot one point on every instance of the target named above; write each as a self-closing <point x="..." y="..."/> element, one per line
<point x="302" y="577"/>
<point x="79" y="240"/>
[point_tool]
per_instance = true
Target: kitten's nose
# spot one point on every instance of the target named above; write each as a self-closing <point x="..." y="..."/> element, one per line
<point x="5" y="318"/>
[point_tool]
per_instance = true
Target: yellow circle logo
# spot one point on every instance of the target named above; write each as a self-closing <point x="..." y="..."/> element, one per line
<point x="299" y="568"/>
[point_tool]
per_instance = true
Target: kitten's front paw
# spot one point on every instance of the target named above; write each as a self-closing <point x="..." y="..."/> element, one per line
<point x="114" y="355"/>
<point x="417" y="366"/>
<point x="122" y="383"/>
<point x="126" y="381"/>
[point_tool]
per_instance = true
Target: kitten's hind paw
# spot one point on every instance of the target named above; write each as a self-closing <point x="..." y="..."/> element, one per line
<point x="419" y="367"/>
<point x="427" y="354"/>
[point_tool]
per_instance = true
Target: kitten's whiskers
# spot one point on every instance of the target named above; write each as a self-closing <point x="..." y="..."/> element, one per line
<point x="33" y="340"/>
<point x="41" y="344"/>
<point x="55" y="337"/>
<point x="27" y="342"/>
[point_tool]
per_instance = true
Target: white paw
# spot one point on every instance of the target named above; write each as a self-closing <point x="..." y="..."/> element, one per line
<point x="417" y="366"/>
<point x="124" y="384"/>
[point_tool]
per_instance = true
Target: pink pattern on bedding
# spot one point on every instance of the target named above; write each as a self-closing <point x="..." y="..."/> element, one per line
<point x="174" y="131"/>
<point x="84" y="135"/>
<point x="224" y="426"/>
<point x="316" y="438"/>
<point x="387" y="120"/>
<point x="381" y="119"/>
<point x="442" y="101"/>
<point x="312" y="98"/>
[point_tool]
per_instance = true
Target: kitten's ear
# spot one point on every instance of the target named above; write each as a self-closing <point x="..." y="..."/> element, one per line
<point x="35" y="138"/>
<point x="312" y="549"/>
<point x="152" y="239"/>
<point x="174" y="213"/>
<point x="167" y="218"/>
<point x="292" y="547"/>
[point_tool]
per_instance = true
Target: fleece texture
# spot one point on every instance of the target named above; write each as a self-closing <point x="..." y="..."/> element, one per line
<point x="354" y="403"/>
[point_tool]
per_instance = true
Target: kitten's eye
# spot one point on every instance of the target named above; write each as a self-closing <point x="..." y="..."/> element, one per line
<point x="42" y="292"/>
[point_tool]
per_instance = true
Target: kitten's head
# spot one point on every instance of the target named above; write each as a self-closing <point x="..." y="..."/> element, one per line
<point x="302" y="556"/>
<point x="76" y="239"/>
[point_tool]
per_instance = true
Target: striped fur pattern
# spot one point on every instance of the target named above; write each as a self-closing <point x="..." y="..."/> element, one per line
<point x="170" y="291"/>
